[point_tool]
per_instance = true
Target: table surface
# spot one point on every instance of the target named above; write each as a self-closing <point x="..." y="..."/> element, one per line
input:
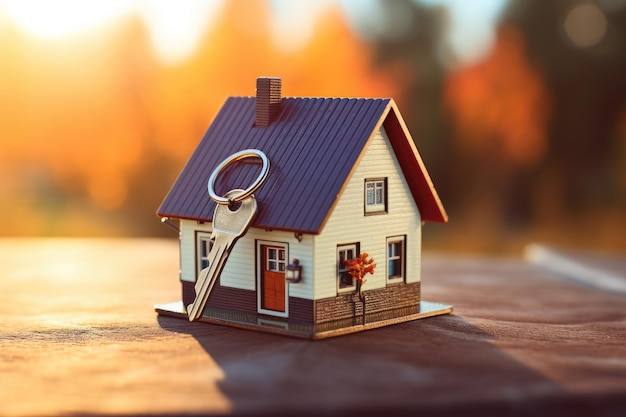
<point x="79" y="336"/>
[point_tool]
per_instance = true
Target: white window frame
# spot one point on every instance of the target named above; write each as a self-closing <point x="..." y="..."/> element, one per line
<point x="280" y="265"/>
<point x="341" y="269"/>
<point x="393" y="255"/>
<point x="375" y="195"/>
<point x="202" y="258"/>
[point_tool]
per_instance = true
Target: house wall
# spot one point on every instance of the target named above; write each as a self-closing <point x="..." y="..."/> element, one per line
<point x="188" y="230"/>
<point x="240" y="270"/>
<point x="316" y="297"/>
<point x="347" y="223"/>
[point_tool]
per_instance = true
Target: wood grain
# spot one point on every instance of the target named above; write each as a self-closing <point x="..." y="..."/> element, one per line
<point x="79" y="335"/>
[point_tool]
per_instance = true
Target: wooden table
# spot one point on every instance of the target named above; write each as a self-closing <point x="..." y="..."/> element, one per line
<point x="79" y="335"/>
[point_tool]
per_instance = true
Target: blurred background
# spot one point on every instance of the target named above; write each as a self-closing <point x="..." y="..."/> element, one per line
<point x="518" y="107"/>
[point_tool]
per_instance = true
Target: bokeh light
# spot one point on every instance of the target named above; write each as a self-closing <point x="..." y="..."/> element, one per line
<point x="517" y="107"/>
<point x="585" y="25"/>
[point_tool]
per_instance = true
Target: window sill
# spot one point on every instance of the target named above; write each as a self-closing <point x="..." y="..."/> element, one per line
<point x="375" y="213"/>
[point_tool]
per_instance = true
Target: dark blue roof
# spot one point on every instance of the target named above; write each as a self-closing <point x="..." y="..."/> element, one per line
<point x="312" y="146"/>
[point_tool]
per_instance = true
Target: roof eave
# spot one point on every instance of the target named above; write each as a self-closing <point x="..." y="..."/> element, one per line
<point x="257" y="226"/>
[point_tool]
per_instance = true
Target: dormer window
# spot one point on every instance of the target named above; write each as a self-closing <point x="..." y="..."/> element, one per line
<point x="375" y="196"/>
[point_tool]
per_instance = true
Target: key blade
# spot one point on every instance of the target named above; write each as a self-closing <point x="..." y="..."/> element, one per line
<point x="228" y="226"/>
<point x="212" y="257"/>
<point x="205" y="282"/>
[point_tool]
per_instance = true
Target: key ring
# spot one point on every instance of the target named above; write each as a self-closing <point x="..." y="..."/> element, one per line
<point x="247" y="153"/>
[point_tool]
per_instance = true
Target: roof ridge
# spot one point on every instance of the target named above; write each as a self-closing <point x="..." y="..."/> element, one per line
<point x="315" y="98"/>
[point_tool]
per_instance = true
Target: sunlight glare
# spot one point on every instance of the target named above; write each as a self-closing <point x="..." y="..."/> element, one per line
<point x="472" y="28"/>
<point x="294" y="22"/>
<point x="62" y="18"/>
<point x="176" y="28"/>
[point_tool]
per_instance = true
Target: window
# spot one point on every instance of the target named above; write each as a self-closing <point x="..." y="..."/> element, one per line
<point x="203" y="247"/>
<point x="275" y="258"/>
<point x="376" y="195"/>
<point x="395" y="258"/>
<point x="344" y="281"/>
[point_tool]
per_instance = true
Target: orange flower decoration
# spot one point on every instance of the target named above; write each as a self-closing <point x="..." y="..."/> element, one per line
<point x="360" y="266"/>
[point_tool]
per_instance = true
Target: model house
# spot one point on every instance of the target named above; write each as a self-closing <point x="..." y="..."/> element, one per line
<point x="345" y="178"/>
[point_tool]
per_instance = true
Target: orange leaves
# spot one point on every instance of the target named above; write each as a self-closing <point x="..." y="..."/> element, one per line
<point x="360" y="266"/>
<point x="99" y="114"/>
<point x="500" y="106"/>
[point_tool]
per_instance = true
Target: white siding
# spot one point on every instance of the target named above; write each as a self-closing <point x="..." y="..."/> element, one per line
<point x="188" y="260"/>
<point x="348" y="223"/>
<point x="239" y="270"/>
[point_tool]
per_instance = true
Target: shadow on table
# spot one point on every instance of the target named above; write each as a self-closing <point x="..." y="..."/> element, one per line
<point x="441" y="365"/>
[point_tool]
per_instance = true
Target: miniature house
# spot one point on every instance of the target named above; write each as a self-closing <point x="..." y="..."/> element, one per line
<point x="345" y="178"/>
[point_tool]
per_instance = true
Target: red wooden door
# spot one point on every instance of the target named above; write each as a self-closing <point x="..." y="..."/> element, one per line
<point x="273" y="278"/>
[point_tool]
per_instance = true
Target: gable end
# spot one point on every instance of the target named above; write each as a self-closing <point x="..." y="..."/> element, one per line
<point x="420" y="184"/>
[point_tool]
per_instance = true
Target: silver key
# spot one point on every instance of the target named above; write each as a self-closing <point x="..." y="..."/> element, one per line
<point x="228" y="226"/>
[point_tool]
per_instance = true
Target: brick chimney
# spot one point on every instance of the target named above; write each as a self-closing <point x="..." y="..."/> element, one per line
<point x="268" y="97"/>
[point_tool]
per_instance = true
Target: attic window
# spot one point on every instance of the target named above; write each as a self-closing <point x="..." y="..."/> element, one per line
<point x="375" y="196"/>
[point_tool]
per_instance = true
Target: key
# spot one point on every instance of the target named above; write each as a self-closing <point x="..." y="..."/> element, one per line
<point x="228" y="227"/>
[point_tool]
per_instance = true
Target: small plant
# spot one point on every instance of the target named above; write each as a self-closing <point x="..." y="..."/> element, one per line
<point x="358" y="268"/>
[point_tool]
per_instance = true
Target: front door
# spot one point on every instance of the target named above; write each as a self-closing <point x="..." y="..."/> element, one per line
<point x="272" y="297"/>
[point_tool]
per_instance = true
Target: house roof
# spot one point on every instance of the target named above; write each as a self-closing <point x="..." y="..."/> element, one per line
<point x="312" y="144"/>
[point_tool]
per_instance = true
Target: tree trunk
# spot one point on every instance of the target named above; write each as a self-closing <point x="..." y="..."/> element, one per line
<point x="362" y="298"/>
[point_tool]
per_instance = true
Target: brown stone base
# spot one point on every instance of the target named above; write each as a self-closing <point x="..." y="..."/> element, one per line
<point x="348" y="305"/>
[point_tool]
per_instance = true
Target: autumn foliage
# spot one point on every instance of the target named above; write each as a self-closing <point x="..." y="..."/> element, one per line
<point x="501" y="104"/>
<point x="95" y="128"/>
<point x="360" y="266"/>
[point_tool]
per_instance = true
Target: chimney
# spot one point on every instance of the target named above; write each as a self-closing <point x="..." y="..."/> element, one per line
<point x="267" y="100"/>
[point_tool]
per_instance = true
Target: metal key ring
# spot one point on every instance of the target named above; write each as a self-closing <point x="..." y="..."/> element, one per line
<point x="246" y="153"/>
